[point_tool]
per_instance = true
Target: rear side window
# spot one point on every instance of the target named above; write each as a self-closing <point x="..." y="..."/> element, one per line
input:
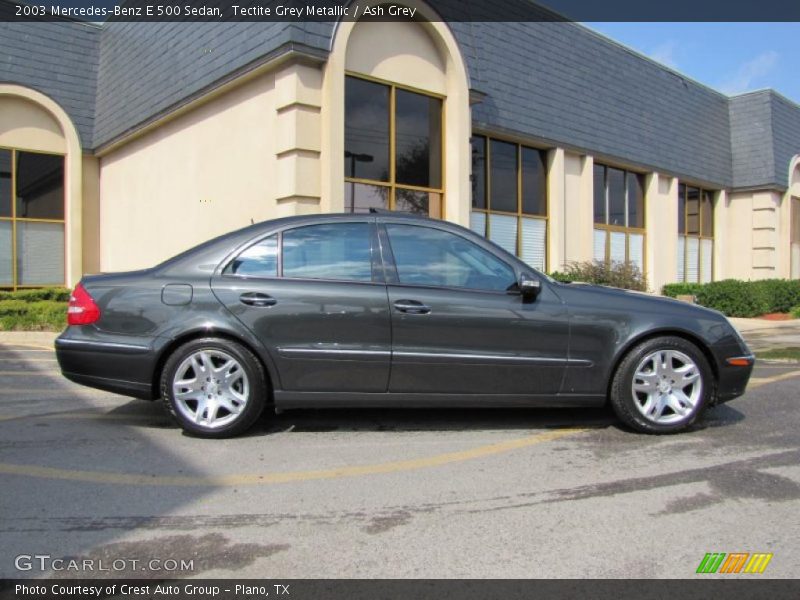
<point x="340" y="251"/>
<point x="426" y="256"/>
<point x="259" y="260"/>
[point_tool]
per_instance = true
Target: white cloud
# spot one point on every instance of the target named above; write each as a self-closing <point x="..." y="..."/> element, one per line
<point x="750" y="73"/>
<point x="665" y="53"/>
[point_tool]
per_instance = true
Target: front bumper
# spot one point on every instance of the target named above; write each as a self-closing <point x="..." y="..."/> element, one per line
<point x="734" y="374"/>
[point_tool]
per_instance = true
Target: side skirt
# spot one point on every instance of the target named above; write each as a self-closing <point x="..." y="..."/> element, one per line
<point x="284" y="399"/>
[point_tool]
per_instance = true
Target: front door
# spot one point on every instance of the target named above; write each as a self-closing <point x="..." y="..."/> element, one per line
<point x="314" y="296"/>
<point x="455" y="326"/>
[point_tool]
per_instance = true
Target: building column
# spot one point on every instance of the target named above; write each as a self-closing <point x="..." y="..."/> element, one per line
<point x="298" y="139"/>
<point x="765" y="234"/>
<point x="722" y="245"/>
<point x="556" y="234"/>
<point x="578" y="208"/>
<point x="661" y="225"/>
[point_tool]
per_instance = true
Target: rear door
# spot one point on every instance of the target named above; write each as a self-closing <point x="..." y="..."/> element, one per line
<point x="458" y="326"/>
<point x="314" y="295"/>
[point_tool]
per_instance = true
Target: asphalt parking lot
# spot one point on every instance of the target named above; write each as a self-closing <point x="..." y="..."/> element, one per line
<point x="480" y="493"/>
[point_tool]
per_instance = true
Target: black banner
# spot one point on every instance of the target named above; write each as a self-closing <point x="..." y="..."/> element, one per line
<point x="440" y="10"/>
<point x="733" y="587"/>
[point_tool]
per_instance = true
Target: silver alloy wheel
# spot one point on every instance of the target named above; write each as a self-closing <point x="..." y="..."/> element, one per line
<point x="210" y="388"/>
<point x="667" y="385"/>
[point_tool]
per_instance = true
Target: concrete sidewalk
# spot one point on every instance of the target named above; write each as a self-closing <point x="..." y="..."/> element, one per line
<point x="761" y="334"/>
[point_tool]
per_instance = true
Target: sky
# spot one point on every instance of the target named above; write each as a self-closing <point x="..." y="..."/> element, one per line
<point x="729" y="57"/>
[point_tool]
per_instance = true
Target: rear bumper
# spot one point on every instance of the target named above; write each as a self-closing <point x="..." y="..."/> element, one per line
<point x="120" y="367"/>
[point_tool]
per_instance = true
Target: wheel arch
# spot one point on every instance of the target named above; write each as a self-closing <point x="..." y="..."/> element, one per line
<point x="189" y="336"/>
<point x="666" y="332"/>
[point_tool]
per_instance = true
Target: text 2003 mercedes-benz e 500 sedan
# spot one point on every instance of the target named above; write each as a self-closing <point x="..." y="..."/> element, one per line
<point x="388" y="310"/>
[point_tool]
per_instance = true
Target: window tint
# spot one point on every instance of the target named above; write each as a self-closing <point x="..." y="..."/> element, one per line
<point x="40" y="186"/>
<point x="534" y="182"/>
<point x="426" y="256"/>
<point x="479" y="172"/>
<point x="707" y="215"/>
<point x="635" y="200"/>
<point x="5" y="183"/>
<point x="616" y="197"/>
<point x="331" y="251"/>
<point x="503" y="177"/>
<point x="260" y="260"/>
<point x="599" y="194"/>
<point x="366" y="131"/>
<point x="418" y="124"/>
<point x="681" y="208"/>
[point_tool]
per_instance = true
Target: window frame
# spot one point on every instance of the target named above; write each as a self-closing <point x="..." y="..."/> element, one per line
<point x="699" y="235"/>
<point x="519" y="214"/>
<point x="376" y="262"/>
<point x="392" y="184"/>
<point x="393" y="277"/>
<point x="13" y="219"/>
<point x="608" y="229"/>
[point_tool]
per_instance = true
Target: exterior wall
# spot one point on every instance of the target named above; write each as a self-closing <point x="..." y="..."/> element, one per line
<point x="90" y="215"/>
<point x="30" y="120"/>
<point x="661" y="223"/>
<point x="752" y="244"/>
<point x="202" y="174"/>
<point x="424" y="55"/>
<point x="578" y="209"/>
<point x="57" y="59"/>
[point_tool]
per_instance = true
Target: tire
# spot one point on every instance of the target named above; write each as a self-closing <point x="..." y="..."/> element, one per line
<point x="214" y="388"/>
<point x="662" y="385"/>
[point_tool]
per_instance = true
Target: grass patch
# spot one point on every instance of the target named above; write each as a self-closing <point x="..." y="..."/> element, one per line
<point x="791" y="353"/>
<point x="39" y="315"/>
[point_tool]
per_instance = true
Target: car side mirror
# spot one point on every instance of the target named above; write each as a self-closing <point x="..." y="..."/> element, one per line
<point x="529" y="287"/>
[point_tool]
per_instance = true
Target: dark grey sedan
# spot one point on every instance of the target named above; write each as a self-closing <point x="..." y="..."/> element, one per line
<point x="388" y="310"/>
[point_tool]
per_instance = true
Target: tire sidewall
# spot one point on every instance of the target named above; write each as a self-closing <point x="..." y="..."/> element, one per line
<point x="252" y="368"/>
<point x="622" y="397"/>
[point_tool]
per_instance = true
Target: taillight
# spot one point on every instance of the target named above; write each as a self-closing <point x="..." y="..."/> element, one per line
<point x="82" y="308"/>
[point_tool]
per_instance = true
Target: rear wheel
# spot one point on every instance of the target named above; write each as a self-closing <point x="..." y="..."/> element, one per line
<point x="214" y="388"/>
<point x="662" y="385"/>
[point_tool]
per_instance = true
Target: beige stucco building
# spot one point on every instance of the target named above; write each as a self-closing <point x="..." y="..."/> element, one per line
<point x="129" y="149"/>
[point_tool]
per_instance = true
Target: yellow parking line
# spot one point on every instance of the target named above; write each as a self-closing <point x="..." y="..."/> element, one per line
<point x="37" y="346"/>
<point x="31" y="360"/>
<point x="759" y="381"/>
<point x="285" y="477"/>
<point x="36" y="372"/>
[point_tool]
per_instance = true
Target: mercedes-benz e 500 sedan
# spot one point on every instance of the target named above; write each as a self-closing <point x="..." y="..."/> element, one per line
<point x="388" y="310"/>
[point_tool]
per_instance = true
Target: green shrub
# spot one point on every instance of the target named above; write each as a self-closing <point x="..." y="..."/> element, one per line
<point x="58" y="294"/>
<point x="562" y="277"/>
<point x="781" y="294"/>
<point x="734" y="298"/>
<point x="616" y="274"/>
<point x="738" y="298"/>
<point x="796" y="312"/>
<point x="673" y="290"/>
<point x="42" y="315"/>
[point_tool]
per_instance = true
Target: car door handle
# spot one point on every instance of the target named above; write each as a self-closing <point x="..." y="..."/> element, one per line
<point x="411" y="307"/>
<point x="257" y="299"/>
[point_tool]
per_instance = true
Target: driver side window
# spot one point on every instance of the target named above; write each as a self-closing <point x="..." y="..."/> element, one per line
<point x="427" y="256"/>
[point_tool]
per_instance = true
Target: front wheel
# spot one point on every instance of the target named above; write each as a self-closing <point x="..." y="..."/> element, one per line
<point x="214" y="388"/>
<point x="662" y="385"/>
